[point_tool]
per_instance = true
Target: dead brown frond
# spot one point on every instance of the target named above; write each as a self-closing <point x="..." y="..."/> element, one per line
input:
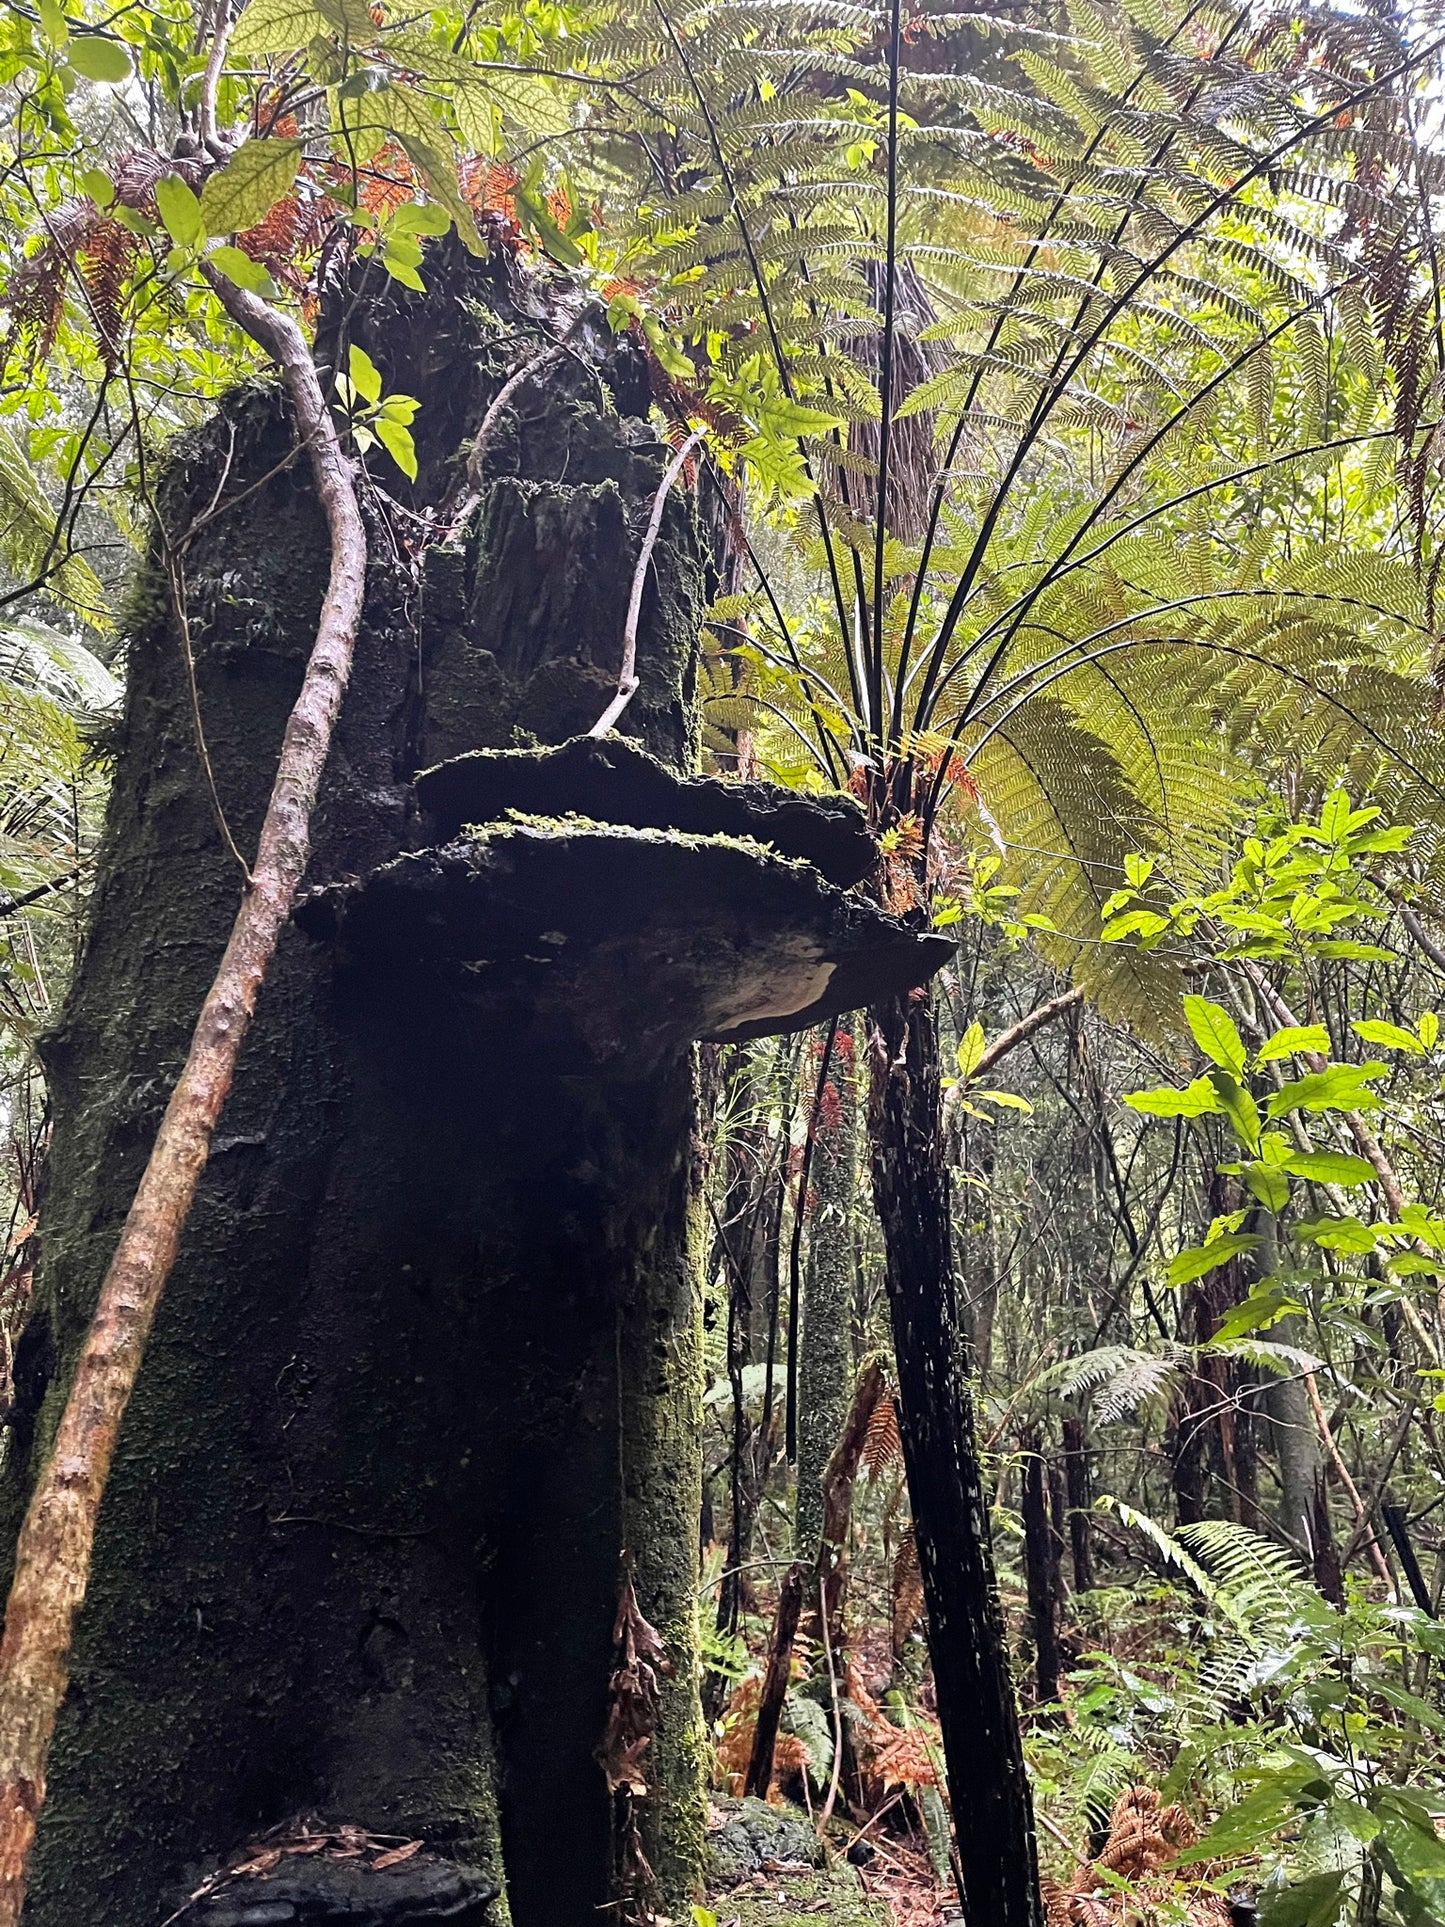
<point x="882" y="1443"/>
<point x="106" y="259"/>
<point x="907" y="1591"/>
<point x="634" y="1699"/>
<point x="1145" y="1838"/>
<point x="36" y="295"/>
<point x="735" y="1748"/>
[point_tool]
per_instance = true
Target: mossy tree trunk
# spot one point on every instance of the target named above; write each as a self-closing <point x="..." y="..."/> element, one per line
<point x="825" y="1354"/>
<point x="429" y="1361"/>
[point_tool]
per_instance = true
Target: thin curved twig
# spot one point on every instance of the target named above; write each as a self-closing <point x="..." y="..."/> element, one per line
<point x="627" y="678"/>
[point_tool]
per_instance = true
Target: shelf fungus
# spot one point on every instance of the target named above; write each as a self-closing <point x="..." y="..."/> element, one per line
<point x="606" y="904"/>
<point x="310" y="1892"/>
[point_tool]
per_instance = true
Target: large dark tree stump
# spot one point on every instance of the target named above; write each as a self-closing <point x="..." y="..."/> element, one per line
<point x="429" y="1362"/>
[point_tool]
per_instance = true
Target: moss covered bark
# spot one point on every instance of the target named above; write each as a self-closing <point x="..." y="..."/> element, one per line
<point x="428" y="1362"/>
<point x="825" y="1356"/>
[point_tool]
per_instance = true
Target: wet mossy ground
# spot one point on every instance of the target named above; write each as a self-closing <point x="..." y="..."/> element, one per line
<point x="768" y="1870"/>
<point x="833" y="1893"/>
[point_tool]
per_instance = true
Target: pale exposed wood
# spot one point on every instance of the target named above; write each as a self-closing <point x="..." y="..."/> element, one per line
<point x="53" y="1556"/>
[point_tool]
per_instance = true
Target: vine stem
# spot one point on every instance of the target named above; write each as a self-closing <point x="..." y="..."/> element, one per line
<point x="53" y="1556"/>
<point x="627" y="675"/>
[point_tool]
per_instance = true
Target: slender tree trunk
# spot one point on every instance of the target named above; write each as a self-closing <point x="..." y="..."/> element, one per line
<point x="825" y="1363"/>
<point x="1080" y="1494"/>
<point x="776" y="1676"/>
<point x="831" y="1553"/>
<point x="1042" y="1575"/>
<point x="988" y="1784"/>
<point x="52" y="1563"/>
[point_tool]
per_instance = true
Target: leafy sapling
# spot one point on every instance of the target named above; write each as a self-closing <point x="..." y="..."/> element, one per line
<point x="373" y="418"/>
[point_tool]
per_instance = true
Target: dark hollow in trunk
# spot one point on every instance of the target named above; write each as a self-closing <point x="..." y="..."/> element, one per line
<point x="992" y="1807"/>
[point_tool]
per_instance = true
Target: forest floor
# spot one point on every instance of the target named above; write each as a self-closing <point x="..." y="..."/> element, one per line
<point x="769" y="1871"/>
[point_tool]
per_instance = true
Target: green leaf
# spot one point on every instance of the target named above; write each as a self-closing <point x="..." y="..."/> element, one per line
<point x="1311" y="1902"/>
<point x="1197" y="1260"/>
<point x="1213" y="1029"/>
<point x="402" y="270"/>
<point x="98" y="185"/>
<point x="1239" y="1107"/>
<point x="1294" y="1037"/>
<point x="1010" y="1099"/>
<point x="1272" y="1805"/>
<point x="1349" y="1816"/>
<point x="1375" y="1030"/>
<point x="53" y="23"/>
<point x="1269" y="1184"/>
<point x="245" y="190"/>
<point x="1335" y="816"/>
<point x="180" y="210"/>
<point x="1408" y="1703"/>
<point x="277" y="27"/>
<point x="1348" y="947"/>
<point x="1339" y="1234"/>
<point x="1264" y="1306"/>
<point x="240" y="268"/>
<point x="97" y="59"/>
<point x="1340" y="1087"/>
<point x="1408" y="1835"/>
<point x="365" y="375"/>
<point x="970" y="1049"/>
<point x="1417" y="1222"/>
<point x="351" y="19"/>
<point x="428" y="148"/>
<point x="420" y="217"/>
<point x="1329" y="1167"/>
<point x="398" y="443"/>
<point x="1198" y="1099"/>
<point x="1429" y="1028"/>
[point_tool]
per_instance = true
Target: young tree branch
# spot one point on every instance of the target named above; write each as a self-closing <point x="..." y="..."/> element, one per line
<point x="1020" y="1032"/>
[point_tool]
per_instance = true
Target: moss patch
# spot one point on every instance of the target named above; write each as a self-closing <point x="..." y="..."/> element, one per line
<point x="831" y="1893"/>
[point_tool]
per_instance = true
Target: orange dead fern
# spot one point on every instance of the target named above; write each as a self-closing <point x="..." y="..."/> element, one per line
<point x="1145" y="1838"/>
<point x="882" y="1443"/>
<point x="106" y="259"/>
<point x="907" y="1591"/>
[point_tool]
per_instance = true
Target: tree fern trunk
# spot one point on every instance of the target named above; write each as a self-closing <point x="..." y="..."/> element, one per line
<point x="988" y="1785"/>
